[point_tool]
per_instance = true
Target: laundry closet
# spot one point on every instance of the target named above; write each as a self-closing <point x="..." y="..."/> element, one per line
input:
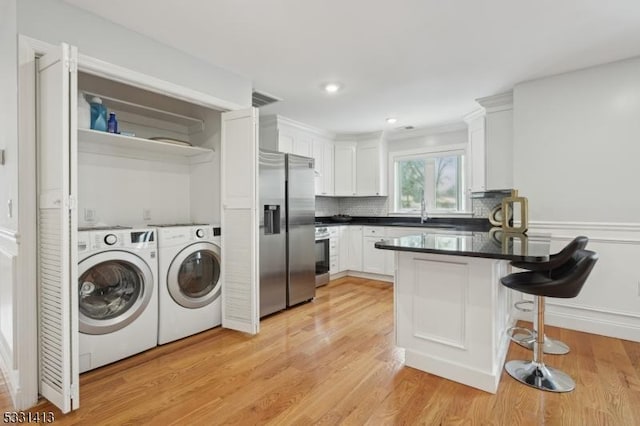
<point x="180" y="158"/>
<point x="137" y="181"/>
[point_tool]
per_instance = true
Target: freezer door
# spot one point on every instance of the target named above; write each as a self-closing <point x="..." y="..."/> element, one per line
<point x="301" y="229"/>
<point x="273" y="233"/>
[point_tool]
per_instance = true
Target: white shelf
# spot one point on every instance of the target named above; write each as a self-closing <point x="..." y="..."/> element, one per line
<point x="128" y="146"/>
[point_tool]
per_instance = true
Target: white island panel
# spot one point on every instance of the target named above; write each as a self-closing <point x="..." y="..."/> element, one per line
<point x="451" y="316"/>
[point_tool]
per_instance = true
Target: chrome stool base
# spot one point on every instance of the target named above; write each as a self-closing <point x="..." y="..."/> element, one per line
<point x="551" y="346"/>
<point x="539" y="376"/>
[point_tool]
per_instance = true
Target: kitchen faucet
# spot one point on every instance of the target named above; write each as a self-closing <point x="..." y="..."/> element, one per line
<point x="424" y="216"/>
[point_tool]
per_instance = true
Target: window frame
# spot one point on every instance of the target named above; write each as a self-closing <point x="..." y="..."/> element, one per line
<point x="432" y="152"/>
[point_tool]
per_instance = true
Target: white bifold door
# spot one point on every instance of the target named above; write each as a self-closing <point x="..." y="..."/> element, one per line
<point x="239" y="177"/>
<point x="57" y="223"/>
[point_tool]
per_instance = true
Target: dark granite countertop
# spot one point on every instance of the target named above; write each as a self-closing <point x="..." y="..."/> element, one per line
<point x="492" y="245"/>
<point x="457" y="224"/>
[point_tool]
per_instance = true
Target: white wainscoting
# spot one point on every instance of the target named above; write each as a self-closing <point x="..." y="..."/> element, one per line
<point x="609" y="303"/>
<point x="8" y="282"/>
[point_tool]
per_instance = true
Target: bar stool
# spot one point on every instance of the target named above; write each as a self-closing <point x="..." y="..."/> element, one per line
<point x="526" y="339"/>
<point x="564" y="282"/>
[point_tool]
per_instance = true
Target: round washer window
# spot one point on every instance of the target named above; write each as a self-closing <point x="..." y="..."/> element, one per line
<point x="199" y="273"/>
<point x="109" y="289"/>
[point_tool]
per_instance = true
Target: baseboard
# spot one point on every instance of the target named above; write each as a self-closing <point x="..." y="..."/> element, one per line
<point x="478" y="379"/>
<point x="9" y="381"/>
<point x="366" y="275"/>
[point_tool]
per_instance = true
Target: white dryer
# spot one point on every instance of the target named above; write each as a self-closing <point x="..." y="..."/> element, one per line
<point x="117" y="294"/>
<point x="190" y="281"/>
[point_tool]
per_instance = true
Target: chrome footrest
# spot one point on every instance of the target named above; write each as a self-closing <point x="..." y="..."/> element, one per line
<point x="524" y="305"/>
<point x="524" y="335"/>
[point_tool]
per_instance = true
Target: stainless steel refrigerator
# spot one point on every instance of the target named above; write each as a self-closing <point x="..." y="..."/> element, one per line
<point x="287" y="231"/>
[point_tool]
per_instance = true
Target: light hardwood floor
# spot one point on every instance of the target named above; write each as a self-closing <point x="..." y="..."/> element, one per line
<point x="333" y="361"/>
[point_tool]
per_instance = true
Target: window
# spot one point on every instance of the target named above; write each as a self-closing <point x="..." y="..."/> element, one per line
<point x="436" y="176"/>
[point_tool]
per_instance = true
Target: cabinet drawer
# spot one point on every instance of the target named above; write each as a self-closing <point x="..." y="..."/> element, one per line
<point x="373" y="231"/>
<point x="334" y="244"/>
<point x="333" y="231"/>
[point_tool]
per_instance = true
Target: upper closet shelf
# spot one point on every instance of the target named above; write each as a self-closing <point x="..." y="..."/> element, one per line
<point x="128" y="146"/>
<point x="191" y="123"/>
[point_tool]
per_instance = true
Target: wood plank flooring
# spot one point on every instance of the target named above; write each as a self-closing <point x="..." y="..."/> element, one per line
<point x="333" y="361"/>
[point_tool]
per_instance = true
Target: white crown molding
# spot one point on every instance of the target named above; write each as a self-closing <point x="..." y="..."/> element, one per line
<point x="279" y="119"/>
<point x="396" y="135"/>
<point x="480" y="112"/>
<point x="499" y="102"/>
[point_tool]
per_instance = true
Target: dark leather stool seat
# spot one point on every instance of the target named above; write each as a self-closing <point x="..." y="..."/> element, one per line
<point x="551" y="346"/>
<point x="566" y="281"/>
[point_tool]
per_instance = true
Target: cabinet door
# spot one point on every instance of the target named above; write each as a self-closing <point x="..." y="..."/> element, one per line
<point x="239" y="175"/>
<point x="368" y="171"/>
<point x="285" y="142"/>
<point x="318" y="156"/>
<point x="327" y="168"/>
<point x="344" y="162"/>
<point x="373" y="259"/>
<point x="477" y="147"/>
<point x="354" y="242"/>
<point x="57" y="225"/>
<point x="303" y="145"/>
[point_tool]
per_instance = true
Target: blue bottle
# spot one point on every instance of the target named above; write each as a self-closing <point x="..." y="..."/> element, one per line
<point x="112" y="124"/>
<point x="98" y="115"/>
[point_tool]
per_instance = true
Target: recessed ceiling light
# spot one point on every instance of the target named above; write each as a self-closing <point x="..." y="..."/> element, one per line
<point x="392" y="120"/>
<point x="332" y="87"/>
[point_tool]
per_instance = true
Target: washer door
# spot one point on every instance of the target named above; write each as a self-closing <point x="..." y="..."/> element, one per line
<point x="114" y="288"/>
<point x="193" y="279"/>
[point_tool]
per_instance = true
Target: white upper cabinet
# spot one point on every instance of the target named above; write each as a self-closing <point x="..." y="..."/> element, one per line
<point x="477" y="154"/>
<point x="344" y="163"/>
<point x="498" y="140"/>
<point x="285" y="135"/>
<point x="491" y="143"/>
<point x="360" y="167"/>
<point x="371" y="167"/>
<point x="323" y="156"/>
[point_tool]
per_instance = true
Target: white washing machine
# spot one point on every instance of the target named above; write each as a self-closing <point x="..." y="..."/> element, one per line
<point x="190" y="281"/>
<point x="117" y="294"/>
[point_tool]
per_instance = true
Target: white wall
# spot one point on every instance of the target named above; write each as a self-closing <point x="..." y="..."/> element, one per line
<point x="8" y="111"/>
<point x="54" y="21"/>
<point x="118" y="189"/>
<point x="577" y="144"/>
<point x="576" y="151"/>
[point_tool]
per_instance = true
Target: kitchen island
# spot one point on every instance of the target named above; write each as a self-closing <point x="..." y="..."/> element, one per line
<point x="451" y="312"/>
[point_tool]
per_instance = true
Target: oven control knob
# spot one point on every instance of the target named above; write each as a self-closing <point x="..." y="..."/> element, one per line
<point x="200" y="233"/>
<point x="110" y="239"/>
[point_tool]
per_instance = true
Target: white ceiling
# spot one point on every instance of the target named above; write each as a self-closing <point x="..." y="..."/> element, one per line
<point x="423" y="61"/>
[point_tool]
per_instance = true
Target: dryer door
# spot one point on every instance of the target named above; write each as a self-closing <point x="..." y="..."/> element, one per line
<point x="193" y="279"/>
<point x="114" y="288"/>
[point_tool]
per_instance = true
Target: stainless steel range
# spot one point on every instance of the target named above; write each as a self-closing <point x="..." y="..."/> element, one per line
<point x="322" y="255"/>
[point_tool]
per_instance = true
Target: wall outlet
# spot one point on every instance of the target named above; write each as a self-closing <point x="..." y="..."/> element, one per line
<point x="146" y="214"/>
<point x="89" y="215"/>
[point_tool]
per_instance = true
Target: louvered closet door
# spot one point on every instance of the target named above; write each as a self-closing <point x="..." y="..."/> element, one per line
<point x="239" y="157"/>
<point x="57" y="223"/>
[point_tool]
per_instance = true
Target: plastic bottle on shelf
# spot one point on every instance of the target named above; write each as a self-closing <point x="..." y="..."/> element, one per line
<point x="112" y="124"/>
<point x="98" y="115"/>
<point x="84" y="112"/>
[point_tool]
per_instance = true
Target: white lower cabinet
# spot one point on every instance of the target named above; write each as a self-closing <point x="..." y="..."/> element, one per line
<point x="373" y="259"/>
<point x="334" y="249"/>
<point x="354" y="248"/>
